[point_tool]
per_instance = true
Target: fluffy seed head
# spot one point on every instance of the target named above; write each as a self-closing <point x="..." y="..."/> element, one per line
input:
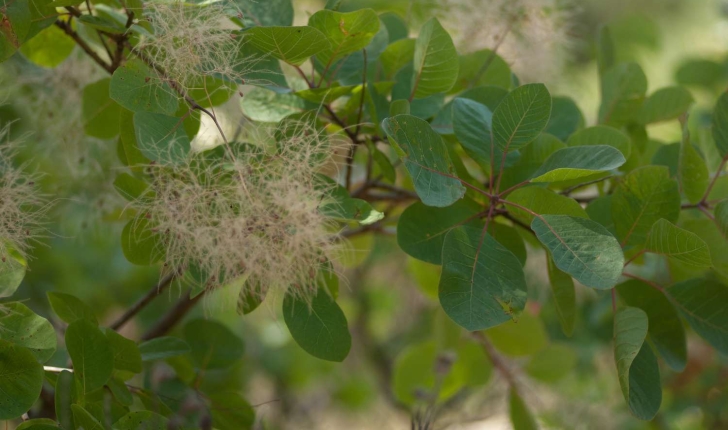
<point x="247" y="210"/>
<point x="22" y="206"/>
<point x="534" y="36"/>
<point x="192" y="42"/>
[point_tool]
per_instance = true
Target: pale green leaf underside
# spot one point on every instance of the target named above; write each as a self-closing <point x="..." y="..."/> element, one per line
<point x="687" y="247"/>
<point x="435" y="60"/>
<point x="521" y="116"/>
<point x="578" y="162"/>
<point x="482" y="283"/>
<point x="581" y="248"/>
<point x="426" y="158"/>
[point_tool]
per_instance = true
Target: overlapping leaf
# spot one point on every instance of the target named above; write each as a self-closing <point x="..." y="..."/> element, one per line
<point x="426" y="158"/>
<point x="577" y="162"/>
<point x="294" y="45"/>
<point x="581" y="248"/>
<point x="703" y="303"/>
<point x="668" y="239"/>
<point x="435" y="61"/>
<point x="521" y="116"/>
<point x="482" y="283"/>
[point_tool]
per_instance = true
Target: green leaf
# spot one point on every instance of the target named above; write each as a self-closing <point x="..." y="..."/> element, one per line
<point x="601" y="135"/>
<point x="65" y="396"/>
<point x="542" y="201"/>
<point x="643" y="197"/>
<point x="665" y="327"/>
<point x="483" y="67"/>
<point x="566" y="118"/>
<point x="382" y="161"/>
<point x="22" y="379"/>
<point x="129" y="186"/>
<point x="90" y="351"/>
<point x="426" y="158"/>
<point x="294" y="45"/>
<point x="141" y="245"/>
<point x="637" y="368"/>
<point x="529" y="159"/>
<point x="582" y="248"/>
<point x="142" y="420"/>
<point x="521" y="417"/>
<point x="482" y="283"/>
<point x="120" y="391"/>
<point x="161" y="137"/>
<point x="523" y="336"/>
<point x="665" y="104"/>
<point x="249" y="300"/>
<point x="161" y="348"/>
<point x="84" y="420"/>
<point x="101" y="23"/>
<point x="552" y="364"/>
<point x="578" y="162"/>
<point x="562" y="287"/>
<point x="521" y="116"/>
<point x="70" y="309"/>
<point x="264" y="71"/>
<point x="325" y="95"/>
<point x="346" y="32"/>
<point x="138" y="89"/>
<point x="125" y="351"/>
<point x="396" y="56"/>
<point x="16" y="23"/>
<point x="318" y="326"/>
<point x="37" y="424"/>
<point x="270" y="12"/>
<point x="213" y="345"/>
<point x="339" y="205"/>
<point x="720" y="211"/>
<point x="21" y="326"/>
<point x="49" y="48"/>
<point x="623" y="91"/>
<point x="488" y="96"/>
<point x="230" y="411"/>
<point x="471" y="123"/>
<point x="705" y="73"/>
<point x="435" y="61"/>
<point x="692" y="172"/>
<point x="684" y="246"/>
<point x="12" y="272"/>
<point x="511" y="239"/>
<point x="264" y="105"/>
<point x="702" y="303"/>
<point x="419" y="366"/>
<point x="100" y="113"/>
<point x="720" y="124"/>
<point x="421" y="229"/>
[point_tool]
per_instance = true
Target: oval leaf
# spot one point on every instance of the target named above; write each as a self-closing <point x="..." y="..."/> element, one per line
<point x="521" y="116"/>
<point x="577" y="162"/>
<point x="482" y="283"/>
<point x="426" y="158"/>
<point x="21" y="326"/>
<point x="319" y="327"/>
<point x="703" y="304"/>
<point x="436" y="61"/>
<point x="22" y="380"/>
<point x="294" y="45"/>
<point x="581" y="248"/>
<point x="684" y="246"/>
<point x="90" y="351"/>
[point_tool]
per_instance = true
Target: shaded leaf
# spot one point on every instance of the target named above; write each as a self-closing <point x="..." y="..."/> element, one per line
<point x="720" y="124"/>
<point x="294" y="45"/>
<point x="581" y="248"/>
<point x="397" y="55"/>
<point x="637" y="368"/>
<point x="562" y="287"/>
<point x="138" y="89"/>
<point x="21" y="326"/>
<point x="692" y="172"/>
<point x="520" y="416"/>
<point x="471" y="123"/>
<point x="601" y="135"/>
<point x="643" y="197"/>
<point x="213" y="345"/>
<point x="702" y="303"/>
<point x="482" y="283"/>
<point x="142" y="420"/>
<point x="552" y="364"/>
<point x="90" y="351"/>
<point x="684" y="246"/>
<point x="524" y="336"/>
<point x="319" y="327"/>
<point x="542" y="201"/>
<point x="426" y="158"/>
<point x="164" y="347"/>
<point x="665" y="104"/>
<point x="161" y="137"/>
<point x="665" y="327"/>
<point x="70" y="309"/>
<point x="566" y="118"/>
<point x="623" y="89"/>
<point x="22" y="380"/>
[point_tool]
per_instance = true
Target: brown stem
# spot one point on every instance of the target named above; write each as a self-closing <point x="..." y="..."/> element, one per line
<point x="496" y="359"/>
<point x="646" y="281"/>
<point x="66" y="27"/>
<point x="144" y="301"/>
<point x="173" y="316"/>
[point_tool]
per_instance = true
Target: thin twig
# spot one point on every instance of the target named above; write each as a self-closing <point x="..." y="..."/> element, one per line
<point x="173" y="316"/>
<point x="66" y="27"/>
<point x="144" y="301"/>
